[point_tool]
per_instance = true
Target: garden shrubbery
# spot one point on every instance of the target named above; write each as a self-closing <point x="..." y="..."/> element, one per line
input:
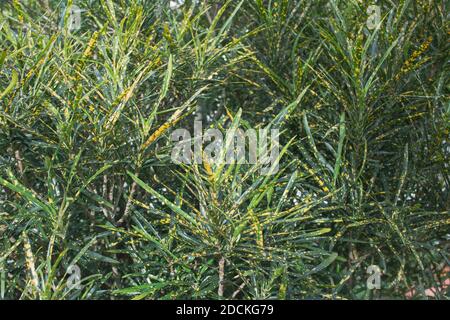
<point x="92" y="205"/>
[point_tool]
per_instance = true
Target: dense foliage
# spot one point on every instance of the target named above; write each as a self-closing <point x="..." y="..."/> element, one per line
<point x="87" y="183"/>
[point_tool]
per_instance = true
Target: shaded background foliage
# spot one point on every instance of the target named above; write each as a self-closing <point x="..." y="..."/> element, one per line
<point x="86" y="177"/>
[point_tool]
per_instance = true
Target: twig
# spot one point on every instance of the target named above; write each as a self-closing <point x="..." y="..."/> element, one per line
<point x="238" y="290"/>
<point x="221" y="276"/>
<point x="127" y="210"/>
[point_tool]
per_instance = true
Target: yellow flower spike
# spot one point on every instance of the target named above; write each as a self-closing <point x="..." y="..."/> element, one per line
<point x="229" y="114"/>
<point x="88" y="51"/>
<point x="409" y="64"/>
<point x="207" y="166"/>
<point x="257" y="229"/>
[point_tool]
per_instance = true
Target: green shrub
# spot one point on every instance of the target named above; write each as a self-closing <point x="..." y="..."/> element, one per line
<point x="87" y="183"/>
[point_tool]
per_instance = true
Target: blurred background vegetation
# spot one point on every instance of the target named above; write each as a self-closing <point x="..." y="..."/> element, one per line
<point x="86" y="178"/>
